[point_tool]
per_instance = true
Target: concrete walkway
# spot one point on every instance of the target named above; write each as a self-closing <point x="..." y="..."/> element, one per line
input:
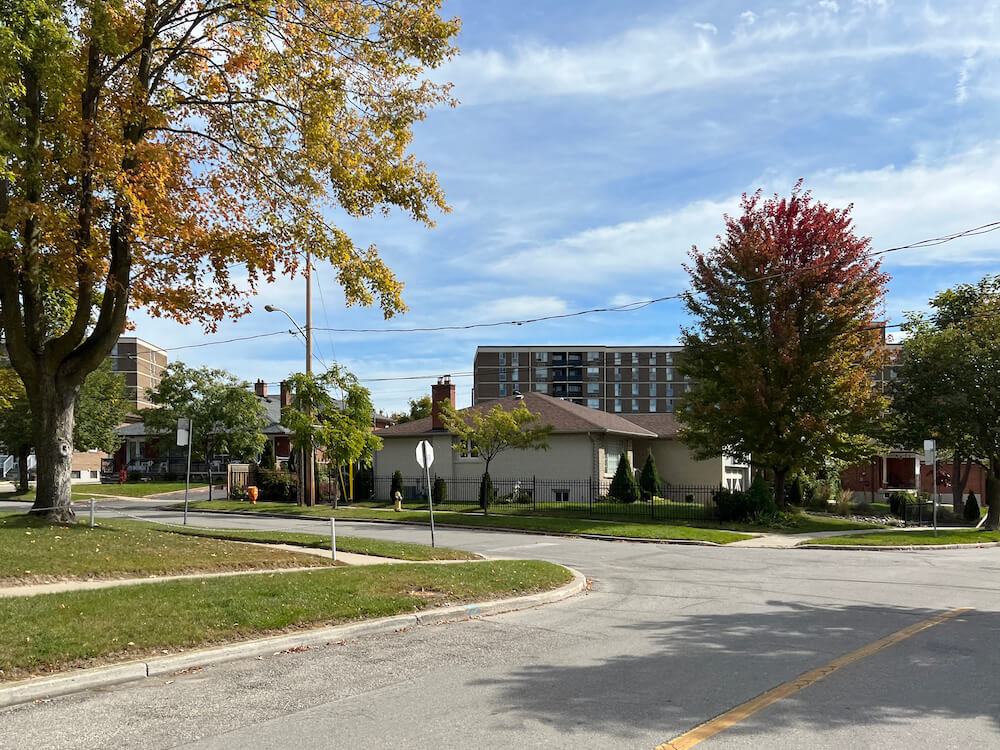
<point x="785" y="541"/>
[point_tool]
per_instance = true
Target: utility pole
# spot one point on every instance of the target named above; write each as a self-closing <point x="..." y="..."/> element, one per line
<point x="309" y="465"/>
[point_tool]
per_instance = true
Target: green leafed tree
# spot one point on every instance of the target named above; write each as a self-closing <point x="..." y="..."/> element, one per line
<point x="649" y="478"/>
<point x="624" y="488"/>
<point x="172" y="156"/>
<point x="419" y="409"/>
<point x="489" y="432"/>
<point x="948" y="383"/>
<point x="784" y="340"/>
<point x="226" y="416"/>
<point x="331" y="412"/>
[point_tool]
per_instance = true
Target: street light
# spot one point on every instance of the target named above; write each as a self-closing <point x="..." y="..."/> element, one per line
<point x="307" y="467"/>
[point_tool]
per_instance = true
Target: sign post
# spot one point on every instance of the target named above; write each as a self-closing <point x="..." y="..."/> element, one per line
<point x="930" y="454"/>
<point x="425" y="457"/>
<point x="184" y="438"/>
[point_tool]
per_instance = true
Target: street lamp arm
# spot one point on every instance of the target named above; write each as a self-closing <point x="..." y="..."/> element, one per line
<point x="274" y="308"/>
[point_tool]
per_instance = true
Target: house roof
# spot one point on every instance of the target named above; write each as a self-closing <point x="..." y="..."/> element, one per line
<point x="564" y="416"/>
<point x="663" y="424"/>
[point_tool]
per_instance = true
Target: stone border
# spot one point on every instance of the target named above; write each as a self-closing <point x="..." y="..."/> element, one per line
<point x="34" y="689"/>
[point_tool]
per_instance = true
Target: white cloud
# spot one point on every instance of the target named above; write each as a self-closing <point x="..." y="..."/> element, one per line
<point x="829" y="5"/>
<point x="748" y="17"/>
<point x="711" y="28"/>
<point x="964" y="71"/>
<point x="504" y="307"/>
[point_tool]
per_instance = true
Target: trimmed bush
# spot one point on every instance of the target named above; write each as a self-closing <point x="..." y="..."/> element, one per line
<point x="971" y="511"/>
<point x="267" y="460"/>
<point x="756" y="505"/>
<point x="440" y="490"/>
<point x="624" y="488"/>
<point x="649" y="479"/>
<point x="277" y="486"/>
<point x="397" y="484"/>
<point x="796" y="492"/>
<point x="897" y="502"/>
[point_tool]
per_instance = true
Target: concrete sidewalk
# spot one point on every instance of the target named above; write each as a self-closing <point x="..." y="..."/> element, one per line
<point x="786" y="541"/>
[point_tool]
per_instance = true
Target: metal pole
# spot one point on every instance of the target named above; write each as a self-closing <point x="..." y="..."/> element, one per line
<point x="430" y="499"/>
<point x="333" y="538"/>
<point x="91" y="512"/>
<point x="934" y="494"/>
<point x="310" y="474"/>
<point x="187" y="480"/>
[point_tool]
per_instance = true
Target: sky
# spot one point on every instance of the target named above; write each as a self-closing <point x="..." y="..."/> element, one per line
<point x="596" y="142"/>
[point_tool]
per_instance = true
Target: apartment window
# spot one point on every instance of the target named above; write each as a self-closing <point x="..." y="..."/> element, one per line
<point x="593" y="356"/>
<point x="503" y="390"/>
<point x="635" y="404"/>
<point x="670" y="404"/>
<point x="652" y="389"/>
<point x="503" y="358"/>
<point x="618" y="404"/>
<point x="635" y="373"/>
<point x="687" y="387"/>
<point x="652" y="405"/>
<point x="593" y="387"/>
<point x="670" y="389"/>
<point x="652" y="358"/>
<point x="618" y="373"/>
<point x="618" y="358"/>
<point x="594" y="403"/>
<point x="670" y="373"/>
<point x="652" y="373"/>
<point x="541" y="356"/>
<point x="541" y="373"/>
<point x="593" y="372"/>
<point x="515" y="388"/>
<point x="635" y="358"/>
<point x="515" y="358"/>
<point x="514" y="374"/>
<point x="503" y="374"/>
<point x="669" y="356"/>
<point x="541" y="387"/>
<point x="612" y="457"/>
<point x="618" y="389"/>
<point x="635" y="389"/>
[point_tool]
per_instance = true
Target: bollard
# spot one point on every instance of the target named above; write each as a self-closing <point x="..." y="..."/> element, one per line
<point x="333" y="538"/>
<point x="91" y="512"/>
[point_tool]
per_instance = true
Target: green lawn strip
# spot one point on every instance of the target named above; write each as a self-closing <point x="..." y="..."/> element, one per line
<point x="911" y="538"/>
<point x="357" y="545"/>
<point x="647" y="530"/>
<point x="24" y="497"/>
<point x="35" y="551"/>
<point x="134" y="489"/>
<point x="51" y="632"/>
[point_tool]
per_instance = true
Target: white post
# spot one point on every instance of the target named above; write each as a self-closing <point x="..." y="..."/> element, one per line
<point x="333" y="539"/>
<point x="91" y="512"/>
<point x="187" y="480"/>
<point x="430" y="499"/>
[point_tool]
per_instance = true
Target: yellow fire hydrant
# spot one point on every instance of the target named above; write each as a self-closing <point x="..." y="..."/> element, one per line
<point x="252" y="494"/>
<point x="398" y="497"/>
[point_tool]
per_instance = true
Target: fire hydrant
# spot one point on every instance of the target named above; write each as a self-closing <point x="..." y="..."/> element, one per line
<point x="398" y="497"/>
<point x="252" y="494"/>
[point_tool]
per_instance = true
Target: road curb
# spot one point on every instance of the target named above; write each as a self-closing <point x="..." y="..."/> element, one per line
<point x="41" y="688"/>
<point x="463" y="527"/>
<point x="896" y="548"/>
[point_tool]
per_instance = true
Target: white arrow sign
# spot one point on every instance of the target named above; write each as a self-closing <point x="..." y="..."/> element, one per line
<point x="425" y="454"/>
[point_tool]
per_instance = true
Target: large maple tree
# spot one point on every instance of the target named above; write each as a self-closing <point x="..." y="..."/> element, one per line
<point x="784" y="343"/>
<point x="172" y="154"/>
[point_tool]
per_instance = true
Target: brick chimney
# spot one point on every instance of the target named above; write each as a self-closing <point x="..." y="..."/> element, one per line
<point x="443" y="390"/>
<point x="260" y="388"/>
<point x="286" y="394"/>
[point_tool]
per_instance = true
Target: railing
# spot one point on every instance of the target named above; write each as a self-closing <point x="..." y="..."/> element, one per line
<point x="584" y="498"/>
<point x="6" y="466"/>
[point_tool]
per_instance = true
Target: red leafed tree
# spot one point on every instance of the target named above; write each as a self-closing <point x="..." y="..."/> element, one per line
<point x="784" y="340"/>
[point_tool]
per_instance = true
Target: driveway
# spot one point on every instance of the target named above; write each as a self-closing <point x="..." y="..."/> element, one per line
<point x="668" y="638"/>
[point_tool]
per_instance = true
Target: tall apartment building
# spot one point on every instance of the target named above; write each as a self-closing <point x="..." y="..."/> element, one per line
<point x="142" y="364"/>
<point x="624" y="380"/>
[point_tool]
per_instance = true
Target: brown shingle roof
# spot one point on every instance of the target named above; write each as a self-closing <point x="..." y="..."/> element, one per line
<point x="664" y="425"/>
<point x="564" y="416"/>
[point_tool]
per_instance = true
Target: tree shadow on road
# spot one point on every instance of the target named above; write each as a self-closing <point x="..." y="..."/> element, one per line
<point x="699" y="666"/>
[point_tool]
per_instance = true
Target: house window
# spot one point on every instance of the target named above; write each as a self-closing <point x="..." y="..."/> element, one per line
<point x="593" y="387"/>
<point x="612" y="457"/>
<point x="618" y="358"/>
<point x="560" y="496"/>
<point x="503" y="374"/>
<point x="652" y="405"/>
<point x="652" y="389"/>
<point x="467" y="451"/>
<point x="618" y="404"/>
<point x="541" y="387"/>
<point x="618" y="389"/>
<point x="503" y="390"/>
<point x="75" y="474"/>
<point x="635" y="405"/>
<point x="635" y="389"/>
<point x="594" y="403"/>
<point x="503" y="358"/>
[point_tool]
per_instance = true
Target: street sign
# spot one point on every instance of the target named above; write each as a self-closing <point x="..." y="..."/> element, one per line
<point x="930" y="451"/>
<point x="425" y="453"/>
<point x="183" y="430"/>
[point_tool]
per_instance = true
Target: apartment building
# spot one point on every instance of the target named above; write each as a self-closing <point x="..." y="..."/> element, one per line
<point x="621" y="380"/>
<point x="141" y="364"/>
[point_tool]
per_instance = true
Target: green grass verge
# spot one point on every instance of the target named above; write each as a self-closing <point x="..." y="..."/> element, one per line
<point x="357" y="545"/>
<point x="35" y="551"/>
<point x="43" y="634"/>
<point x="908" y="538"/>
<point x="130" y="489"/>
<point x="648" y="530"/>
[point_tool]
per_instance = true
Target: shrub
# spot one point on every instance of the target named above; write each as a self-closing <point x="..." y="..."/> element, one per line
<point x="761" y="499"/>
<point x="134" y="476"/>
<point x="170" y="476"/>
<point x="440" y="490"/>
<point x="267" y="460"/>
<point x="238" y="493"/>
<point x="843" y="502"/>
<point x="897" y="502"/>
<point x="796" y="491"/>
<point x="486" y="492"/>
<point x="689" y="498"/>
<point x="864" y="509"/>
<point x="523" y="497"/>
<point x="732" y="505"/>
<point x="277" y="486"/>
<point x="624" y="488"/>
<point x="397" y="484"/>
<point x="971" y="510"/>
<point x="649" y="479"/>
<point x="756" y="505"/>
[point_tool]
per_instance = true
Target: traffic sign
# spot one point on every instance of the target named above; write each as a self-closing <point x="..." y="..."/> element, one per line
<point x="425" y="454"/>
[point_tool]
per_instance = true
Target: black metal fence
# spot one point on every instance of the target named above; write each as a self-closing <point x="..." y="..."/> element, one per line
<point x="586" y="498"/>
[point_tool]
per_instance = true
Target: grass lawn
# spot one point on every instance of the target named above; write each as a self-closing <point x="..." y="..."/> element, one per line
<point x="42" y="634"/>
<point x="35" y="551"/>
<point x="646" y="530"/>
<point x="130" y="489"/>
<point x="358" y="545"/>
<point x="923" y="537"/>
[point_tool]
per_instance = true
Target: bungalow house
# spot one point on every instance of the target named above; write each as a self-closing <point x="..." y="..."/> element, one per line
<point x="585" y="445"/>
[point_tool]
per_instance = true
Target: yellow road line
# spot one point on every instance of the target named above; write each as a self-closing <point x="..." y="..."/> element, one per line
<point x="735" y="715"/>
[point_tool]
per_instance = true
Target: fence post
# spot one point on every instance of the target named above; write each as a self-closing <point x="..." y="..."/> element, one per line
<point x="590" y="507"/>
<point x="534" y="494"/>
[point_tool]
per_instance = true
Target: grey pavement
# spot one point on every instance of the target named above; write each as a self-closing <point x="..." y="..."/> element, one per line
<point x="667" y="638"/>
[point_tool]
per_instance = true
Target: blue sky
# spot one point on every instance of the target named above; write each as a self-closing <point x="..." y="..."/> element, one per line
<point x="596" y="142"/>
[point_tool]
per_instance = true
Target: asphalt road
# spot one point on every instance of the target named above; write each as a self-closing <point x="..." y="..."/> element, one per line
<point x="668" y="638"/>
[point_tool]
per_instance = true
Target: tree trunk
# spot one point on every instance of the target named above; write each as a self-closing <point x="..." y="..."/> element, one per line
<point x="779" y="487"/>
<point x="958" y="482"/>
<point x="22" y="468"/>
<point x="992" y="522"/>
<point x="52" y="418"/>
